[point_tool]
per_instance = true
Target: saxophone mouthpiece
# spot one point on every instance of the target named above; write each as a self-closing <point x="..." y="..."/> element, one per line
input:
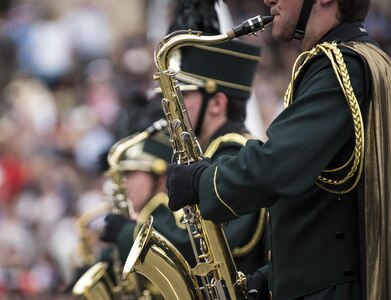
<point x="251" y="26"/>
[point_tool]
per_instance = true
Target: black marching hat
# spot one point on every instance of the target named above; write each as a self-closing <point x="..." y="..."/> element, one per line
<point x="227" y="67"/>
<point x="152" y="154"/>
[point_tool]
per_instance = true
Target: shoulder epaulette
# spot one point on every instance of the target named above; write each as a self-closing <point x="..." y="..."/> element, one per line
<point x="232" y="137"/>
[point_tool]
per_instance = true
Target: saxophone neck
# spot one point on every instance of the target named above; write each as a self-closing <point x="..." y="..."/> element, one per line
<point x="119" y="148"/>
<point x="182" y="38"/>
<point x="116" y="154"/>
<point x="86" y="241"/>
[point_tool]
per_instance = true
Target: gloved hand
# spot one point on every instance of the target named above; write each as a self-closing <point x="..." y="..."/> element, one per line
<point x="257" y="287"/>
<point x="113" y="225"/>
<point x="183" y="183"/>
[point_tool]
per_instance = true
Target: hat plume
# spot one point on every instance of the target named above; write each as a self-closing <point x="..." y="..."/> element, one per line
<point x="199" y="15"/>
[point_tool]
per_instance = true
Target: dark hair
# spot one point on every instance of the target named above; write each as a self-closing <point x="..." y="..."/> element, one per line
<point x="353" y="10"/>
<point x="236" y="108"/>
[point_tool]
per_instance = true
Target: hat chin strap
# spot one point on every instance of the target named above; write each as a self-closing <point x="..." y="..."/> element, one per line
<point x="204" y="104"/>
<point x="303" y="19"/>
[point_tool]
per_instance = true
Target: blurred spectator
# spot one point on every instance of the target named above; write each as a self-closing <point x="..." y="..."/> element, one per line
<point x="7" y="46"/>
<point x="31" y="105"/>
<point x="134" y="81"/>
<point x="12" y="177"/>
<point x="92" y="139"/>
<point x="47" y="47"/>
<point x="378" y="25"/>
<point x="89" y="29"/>
<point x="99" y="91"/>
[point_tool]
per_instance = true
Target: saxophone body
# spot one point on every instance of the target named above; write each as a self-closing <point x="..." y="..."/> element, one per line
<point x="215" y="275"/>
<point x="96" y="284"/>
<point x="86" y="245"/>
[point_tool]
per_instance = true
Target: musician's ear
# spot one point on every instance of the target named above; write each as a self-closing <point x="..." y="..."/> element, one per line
<point x="218" y="103"/>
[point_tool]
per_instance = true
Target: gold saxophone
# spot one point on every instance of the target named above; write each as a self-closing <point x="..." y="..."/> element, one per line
<point x="86" y="248"/>
<point x="215" y="276"/>
<point x="96" y="284"/>
<point x="119" y="197"/>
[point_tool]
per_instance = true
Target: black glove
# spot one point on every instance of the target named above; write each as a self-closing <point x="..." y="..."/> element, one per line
<point x="113" y="225"/>
<point x="183" y="182"/>
<point x="257" y="287"/>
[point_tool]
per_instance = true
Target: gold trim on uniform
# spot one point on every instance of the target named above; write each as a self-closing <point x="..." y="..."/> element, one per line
<point x="212" y="148"/>
<point x="240" y="139"/>
<point x="227" y="138"/>
<point x="218" y="195"/>
<point x="244" y="250"/>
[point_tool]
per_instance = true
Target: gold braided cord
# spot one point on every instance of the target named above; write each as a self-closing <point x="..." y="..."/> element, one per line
<point x="340" y="167"/>
<point x="336" y="58"/>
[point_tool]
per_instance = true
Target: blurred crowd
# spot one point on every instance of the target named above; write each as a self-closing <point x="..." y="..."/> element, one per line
<point x="75" y="77"/>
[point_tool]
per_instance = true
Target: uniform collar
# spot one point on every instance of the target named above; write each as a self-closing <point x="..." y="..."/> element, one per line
<point x="345" y="32"/>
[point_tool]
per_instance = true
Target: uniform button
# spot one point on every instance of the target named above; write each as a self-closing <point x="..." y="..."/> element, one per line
<point x="269" y="256"/>
<point x="270" y="295"/>
<point x="268" y="217"/>
<point x="340" y="235"/>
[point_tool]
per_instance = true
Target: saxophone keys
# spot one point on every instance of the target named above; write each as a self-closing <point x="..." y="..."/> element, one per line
<point x="176" y="123"/>
<point x="202" y="269"/>
<point x="164" y="104"/>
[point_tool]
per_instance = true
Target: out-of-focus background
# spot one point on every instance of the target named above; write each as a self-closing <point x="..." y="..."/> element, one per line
<point x="76" y="76"/>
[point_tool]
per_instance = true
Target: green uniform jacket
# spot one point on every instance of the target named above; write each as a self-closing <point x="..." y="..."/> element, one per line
<point x="240" y="233"/>
<point x="314" y="234"/>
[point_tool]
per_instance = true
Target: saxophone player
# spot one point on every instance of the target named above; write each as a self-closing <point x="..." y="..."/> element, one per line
<point x="217" y="107"/>
<point x="143" y="169"/>
<point x="318" y="173"/>
<point x="137" y="165"/>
